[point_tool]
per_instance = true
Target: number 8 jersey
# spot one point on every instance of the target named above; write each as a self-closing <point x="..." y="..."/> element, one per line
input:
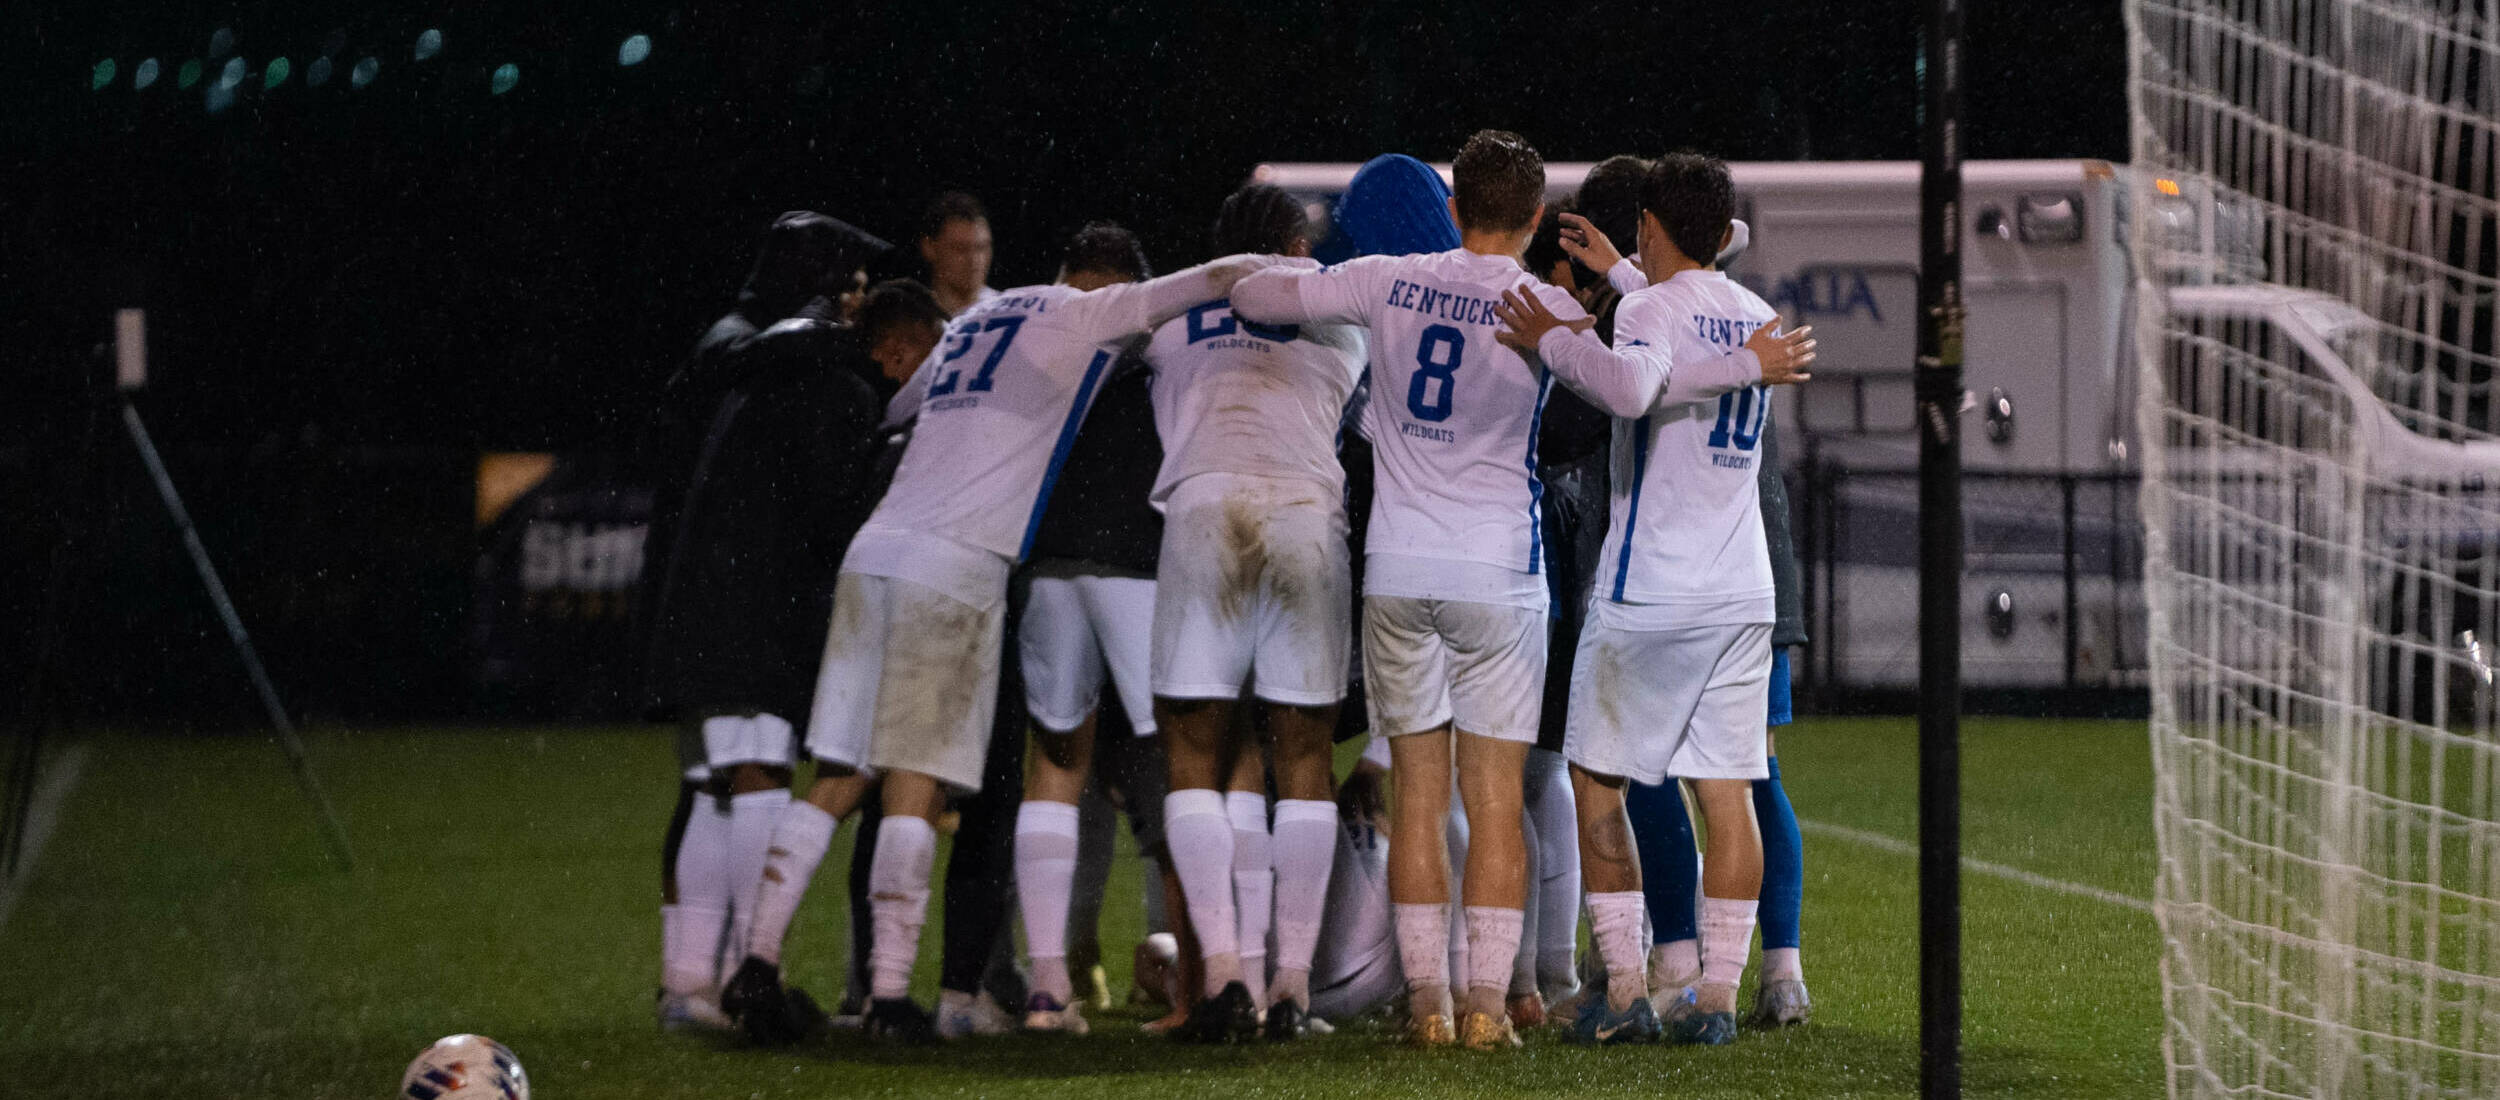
<point x="1453" y="416"/>
<point x="1686" y="532"/>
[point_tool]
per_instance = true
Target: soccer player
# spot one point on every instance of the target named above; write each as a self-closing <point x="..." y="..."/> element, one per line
<point x="1674" y="665"/>
<point x="1252" y="589"/>
<point x="1454" y="624"/>
<point x="955" y="243"/>
<point x="1088" y="617"/>
<point x="769" y="434"/>
<point x="908" y="682"/>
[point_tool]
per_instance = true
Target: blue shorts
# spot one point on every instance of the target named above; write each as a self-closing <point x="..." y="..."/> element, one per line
<point x="1781" y="713"/>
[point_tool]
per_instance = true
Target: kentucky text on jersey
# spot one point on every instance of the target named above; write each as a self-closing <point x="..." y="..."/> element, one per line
<point x="1441" y="303"/>
<point x="1727" y="332"/>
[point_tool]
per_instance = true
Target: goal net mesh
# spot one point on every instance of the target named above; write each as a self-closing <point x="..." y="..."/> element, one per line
<point x="2312" y="218"/>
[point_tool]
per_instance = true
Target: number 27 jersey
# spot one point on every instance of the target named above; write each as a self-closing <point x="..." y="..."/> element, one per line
<point x="1453" y="415"/>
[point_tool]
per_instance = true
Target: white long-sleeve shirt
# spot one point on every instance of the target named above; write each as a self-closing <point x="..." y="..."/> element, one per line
<point x="1685" y="544"/>
<point x="998" y="402"/>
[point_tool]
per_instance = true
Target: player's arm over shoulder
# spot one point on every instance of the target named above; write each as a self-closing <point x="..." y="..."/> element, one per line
<point x="1125" y="309"/>
<point x="1300" y="292"/>
<point x="1624" y="380"/>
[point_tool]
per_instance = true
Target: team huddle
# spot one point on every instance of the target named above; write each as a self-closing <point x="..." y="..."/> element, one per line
<point x="1543" y="465"/>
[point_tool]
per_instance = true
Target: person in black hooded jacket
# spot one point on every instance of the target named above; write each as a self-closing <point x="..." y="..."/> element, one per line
<point x="762" y="452"/>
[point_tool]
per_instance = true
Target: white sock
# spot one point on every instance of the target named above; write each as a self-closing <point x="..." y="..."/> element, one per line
<point x="1782" y="964"/>
<point x="1492" y="954"/>
<point x="1619" y="926"/>
<point x="1305" y="850"/>
<point x="690" y="957"/>
<point x="1424" y="952"/>
<point x="898" y="901"/>
<point x="1046" y="843"/>
<point x="752" y="817"/>
<point x="1673" y="966"/>
<point x="1726" y="938"/>
<point x="1201" y="840"/>
<point x="790" y="861"/>
<point x="1254" y="886"/>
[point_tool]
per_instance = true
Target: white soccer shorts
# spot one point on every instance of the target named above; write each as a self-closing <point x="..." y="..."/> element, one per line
<point x="1479" y="666"/>
<point x="1253" y="587"/>
<point x="1686" y="703"/>
<point x="719" y="742"/>
<point x="909" y="681"/>
<point x="1077" y="627"/>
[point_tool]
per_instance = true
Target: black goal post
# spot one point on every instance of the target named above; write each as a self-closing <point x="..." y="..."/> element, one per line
<point x="1939" y="393"/>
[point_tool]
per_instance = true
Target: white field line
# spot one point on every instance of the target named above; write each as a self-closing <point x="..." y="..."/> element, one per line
<point x="40" y="818"/>
<point x="1979" y="866"/>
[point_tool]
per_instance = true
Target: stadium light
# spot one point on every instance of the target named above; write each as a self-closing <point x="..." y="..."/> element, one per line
<point x="221" y="43"/>
<point x="636" y="49"/>
<point x="232" y="76"/>
<point x="276" y="73"/>
<point x="335" y="43"/>
<point x="143" y="77"/>
<point x="506" y="75"/>
<point x="429" y="44"/>
<point x="188" y="75"/>
<point x="364" y="72"/>
<point x="317" y="73"/>
<point x="220" y="97"/>
<point x="102" y="75"/>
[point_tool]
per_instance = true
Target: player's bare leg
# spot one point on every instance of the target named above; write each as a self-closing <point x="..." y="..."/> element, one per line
<point x="1495" y="887"/>
<point x="1055" y="776"/>
<point x="799" y="841"/>
<point x="1419" y="879"/>
<point x="1200" y="742"/>
<point x="1254" y="869"/>
<point x="1300" y="748"/>
<point x="1731" y="886"/>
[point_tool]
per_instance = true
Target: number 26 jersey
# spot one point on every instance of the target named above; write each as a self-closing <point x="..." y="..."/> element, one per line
<point x="1453" y="416"/>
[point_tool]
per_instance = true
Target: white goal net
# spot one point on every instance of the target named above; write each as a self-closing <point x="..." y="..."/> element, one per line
<point x="2313" y="226"/>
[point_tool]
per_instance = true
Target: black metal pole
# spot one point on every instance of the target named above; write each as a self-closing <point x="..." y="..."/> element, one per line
<point x="1939" y="390"/>
<point x="332" y="830"/>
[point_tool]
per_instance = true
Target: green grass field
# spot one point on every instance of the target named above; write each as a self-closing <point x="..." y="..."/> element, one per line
<point x="184" y="935"/>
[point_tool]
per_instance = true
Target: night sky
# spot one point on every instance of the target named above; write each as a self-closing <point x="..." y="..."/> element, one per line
<point x="352" y="292"/>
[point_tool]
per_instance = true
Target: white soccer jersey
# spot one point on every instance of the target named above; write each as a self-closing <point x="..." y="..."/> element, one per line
<point x="1000" y="399"/>
<point x="1234" y="396"/>
<point x="1686" y="531"/>
<point x="1453" y="416"/>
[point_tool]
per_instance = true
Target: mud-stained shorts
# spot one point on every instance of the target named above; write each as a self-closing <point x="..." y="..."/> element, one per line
<point x="1253" y="586"/>
<point x="1081" y="622"/>
<point x="1687" y="703"/>
<point x="1479" y="666"/>
<point x="909" y="680"/>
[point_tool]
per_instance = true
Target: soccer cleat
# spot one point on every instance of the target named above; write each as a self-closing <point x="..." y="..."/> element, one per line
<point x="1687" y="1025"/>
<point x="1780" y="1003"/>
<point x="691" y="1013"/>
<point x="896" y="1020"/>
<point x="1287" y="1021"/>
<point x="1434" y="1030"/>
<point x="971" y="1015"/>
<point x="1044" y="1015"/>
<point x="1098" y="989"/>
<point x="1227" y="1017"/>
<point x="1527" y="1010"/>
<point x="755" y="999"/>
<point x="1482" y="1031"/>
<point x="1600" y="1024"/>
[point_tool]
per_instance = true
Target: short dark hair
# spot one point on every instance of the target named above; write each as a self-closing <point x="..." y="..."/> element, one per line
<point x="1545" y="249"/>
<point x="1500" y="181"/>
<point x="1260" y="218"/>
<point x="1610" y="198"/>
<point x="1107" y="248"/>
<point x="948" y="207"/>
<point x="897" y="302"/>
<point x="1693" y="199"/>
